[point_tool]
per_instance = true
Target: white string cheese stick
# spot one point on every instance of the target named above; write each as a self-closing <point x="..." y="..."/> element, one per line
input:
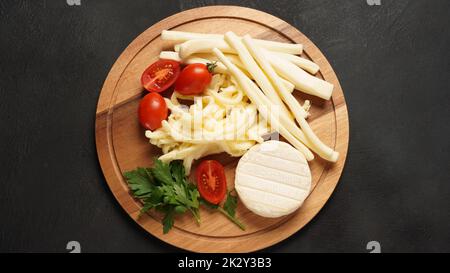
<point x="248" y="88"/>
<point x="291" y="72"/>
<point x="300" y="114"/>
<point x="182" y="36"/>
<point x="203" y="46"/>
<point x="170" y="55"/>
<point x="206" y="45"/>
<point x="208" y="58"/>
<point x="253" y="68"/>
<point x="289" y="86"/>
<point x="303" y="63"/>
<point x="263" y="62"/>
<point x="235" y="60"/>
<point x="302" y="80"/>
<point x="283" y="123"/>
<point x="324" y="152"/>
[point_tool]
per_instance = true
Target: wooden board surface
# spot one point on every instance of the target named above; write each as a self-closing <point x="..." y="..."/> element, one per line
<point x="122" y="146"/>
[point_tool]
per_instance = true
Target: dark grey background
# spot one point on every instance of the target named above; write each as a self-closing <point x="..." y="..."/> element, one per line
<point x="392" y="60"/>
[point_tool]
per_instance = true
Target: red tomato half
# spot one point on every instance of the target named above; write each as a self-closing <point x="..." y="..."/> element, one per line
<point x="160" y="75"/>
<point x="152" y="111"/>
<point x="211" y="181"/>
<point x="193" y="79"/>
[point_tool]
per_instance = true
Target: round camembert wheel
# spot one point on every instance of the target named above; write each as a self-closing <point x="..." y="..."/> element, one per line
<point x="273" y="179"/>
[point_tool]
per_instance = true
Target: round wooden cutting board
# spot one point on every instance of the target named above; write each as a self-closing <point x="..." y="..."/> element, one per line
<point x="122" y="146"/>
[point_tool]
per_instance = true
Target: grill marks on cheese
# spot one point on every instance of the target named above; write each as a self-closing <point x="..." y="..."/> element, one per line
<point x="273" y="179"/>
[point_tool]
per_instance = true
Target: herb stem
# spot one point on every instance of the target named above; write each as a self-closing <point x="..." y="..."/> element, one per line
<point x="233" y="219"/>
<point x="196" y="215"/>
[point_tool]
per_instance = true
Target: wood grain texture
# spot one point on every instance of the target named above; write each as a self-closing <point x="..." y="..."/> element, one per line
<point x="121" y="144"/>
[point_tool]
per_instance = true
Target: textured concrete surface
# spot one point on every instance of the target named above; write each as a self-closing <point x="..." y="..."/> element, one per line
<point x="392" y="60"/>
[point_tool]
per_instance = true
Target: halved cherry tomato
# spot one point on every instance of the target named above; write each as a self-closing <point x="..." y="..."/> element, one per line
<point x="152" y="111"/>
<point x="211" y="181"/>
<point x="160" y="75"/>
<point x="194" y="79"/>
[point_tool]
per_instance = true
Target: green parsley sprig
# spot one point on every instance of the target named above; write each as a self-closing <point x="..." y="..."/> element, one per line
<point x="166" y="189"/>
<point x="229" y="208"/>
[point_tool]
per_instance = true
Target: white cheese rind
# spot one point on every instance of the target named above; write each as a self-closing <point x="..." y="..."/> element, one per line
<point x="273" y="179"/>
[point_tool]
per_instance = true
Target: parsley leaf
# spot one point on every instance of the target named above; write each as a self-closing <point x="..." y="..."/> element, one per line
<point x="194" y="198"/>
<point x="230" y="204"/>
<point x="169" y="195"/>
<point x="147" y="206"/>
<point x="177" y="170"/>
<point x="161" y="172"/>
<point x="164" y="188"/>
<point x="229" y="209"/>
<point x="168" y="220"/>
<point x="140" y="182"/>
